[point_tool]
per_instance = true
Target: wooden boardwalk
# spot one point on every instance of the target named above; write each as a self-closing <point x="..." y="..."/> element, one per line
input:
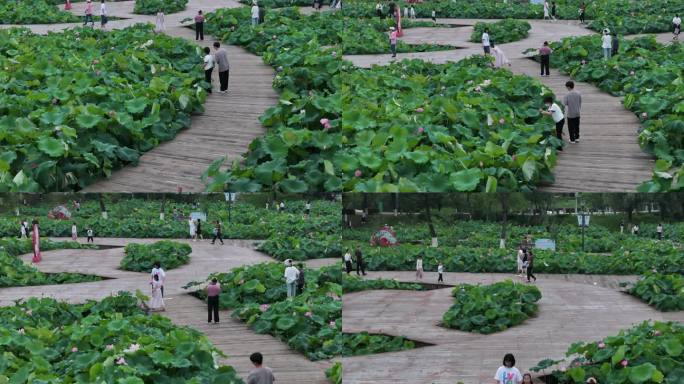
<point x="226" y="128"/>
<point x="572" y="309"/>
<point x="608" y="157"/>
<point x="231" y="336"/>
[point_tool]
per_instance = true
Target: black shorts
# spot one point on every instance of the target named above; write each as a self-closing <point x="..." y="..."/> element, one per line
<point x="486" y="49"/>
<point x="103" y="19"/>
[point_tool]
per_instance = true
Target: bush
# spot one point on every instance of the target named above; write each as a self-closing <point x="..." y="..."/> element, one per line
<point x="109" y="341"/>
<point x="504" y="31"/>
<point x="141" y="257"/>
<point x="151" y="7"/>
<point x="650" y="352"/>
<point x="664" y="292"/>
<point x="491" y="308"/>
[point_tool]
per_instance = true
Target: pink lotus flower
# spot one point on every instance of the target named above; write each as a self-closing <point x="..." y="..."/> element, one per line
<point x="325" y="122"/>
<point x="264" y="307"/>
<point x="601" y="345"/>
<point x="132" y="348"/>
<point x="332" y="324"/>
<point x="121" y="361"/>
<point x="502" y="120"/>
<point x="74" y="349"/>
<point x="657" y="333"/>
<point x="421" y="129"/>
<point x="357" y="173"/>
<point x="96" y="61"/>
<point x="109" y="347"/>
<point x="308" y="314"/>
<point x="644" y="115"/>
<point x="98" y="72"/>
<point x="22" y="331"/>
<point x="624" y="362"/>
<point x="584" y="62"/>
<point x="420" y="110"/>
<point x="514" y="157"/>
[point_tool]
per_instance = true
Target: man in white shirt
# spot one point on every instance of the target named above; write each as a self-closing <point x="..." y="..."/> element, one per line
<point x="677" y="26"/>
<point x="103" y="15"/>
<point x="255" y="13"/>
<point x="158" y="270"/>
<point x="485" y="41"/>
<point x="659" y="231"/>
<point x="606" y="44"/>
<point x="291" y="275"/>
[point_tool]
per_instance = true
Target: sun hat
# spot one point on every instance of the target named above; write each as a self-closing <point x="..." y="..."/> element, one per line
<point x="591" y="380"/>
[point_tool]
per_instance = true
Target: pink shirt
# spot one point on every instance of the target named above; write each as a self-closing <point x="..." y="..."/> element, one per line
<point x="213" y="289"/>
<point x="544" y="51"/>
<point x="89" y="9"/>
<point x="199" y="19"/>
<point x="393" y="37"/>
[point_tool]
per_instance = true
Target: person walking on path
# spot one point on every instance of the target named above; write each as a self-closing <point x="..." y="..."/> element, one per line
<point x="547" y="11"/>
<point x="157" y="302"/>
<point x="199" y="26"/>
<point x="419" y="267"/>
<point x="260" y="374"/>
<point x="208" y="67"/>
<point x="434" y="16"/>
<point x="23" y="231"/>
<point x="530" y="266"/>
<point x="348" y="261"/>
<point x="90" y="239"/>
<point x="508" y="373"/>
<point x="301" y="279"/>
<point x="545" y="58"/>
<point x="198" y="230"/>
<point x="635" y="230"/>
<point x="89" y="14"/>
<point x="74" y="232"/>
<point x="412" y="12"/>
<point x="360" y="267"/>
<point x="157" y="270"/>
<point x="606" y="44"/>
<point x="582" y="12"/>
<point x="556" y="113"/>
<point x="393" y="41"/>
<point x="676" y="26"/>
<point x="440" y="273"/>
<point x="255" y="13"/>
<point x="378" y="9"/>
<point x="159" y="22"/>
<point x="553" y="10"/>
<point x="213" y="292"/>
<point x="615" y="45"/>
<point x="485" y="41"/>
<point x="103" y="15"/>
<point x="520" y="256"/>
<point x="67" y="5"/>
<point x="500" y="59"/>
<point x="573" y="105"/>
<point x="291" y="275"/>
<point x="659" y="231"/>
<point x="191" y="228"/>
<point x="217" y="233"/>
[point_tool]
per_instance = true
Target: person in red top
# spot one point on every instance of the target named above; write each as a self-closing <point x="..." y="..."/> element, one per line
<point x="213" y="292"/>
<point x="199" y="26"/>
<point x="89" y="14"/>
<point x="545" y="55"/>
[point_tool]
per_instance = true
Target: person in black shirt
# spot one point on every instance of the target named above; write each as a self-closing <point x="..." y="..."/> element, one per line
<point x="360" y="268"/>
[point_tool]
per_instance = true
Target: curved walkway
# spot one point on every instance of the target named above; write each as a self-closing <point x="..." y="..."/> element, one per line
<point x="572" y="309"/>
<point x="226" y="128"/>
<point x="608" y="159"/>
<point x="232" y="336"/>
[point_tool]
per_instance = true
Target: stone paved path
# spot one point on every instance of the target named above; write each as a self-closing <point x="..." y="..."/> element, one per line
<point x="608" y="158"/>
<point x="572" y="309"/>
<point x="232" y="336"/>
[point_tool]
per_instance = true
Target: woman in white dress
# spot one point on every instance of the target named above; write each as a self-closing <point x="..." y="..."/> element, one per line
<point x="192" y="228"/>
<point x="159" y="22"/>
<point x="520" y="261"/>
<point x="74" y="232"/>
<point x="157" y="302"/>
